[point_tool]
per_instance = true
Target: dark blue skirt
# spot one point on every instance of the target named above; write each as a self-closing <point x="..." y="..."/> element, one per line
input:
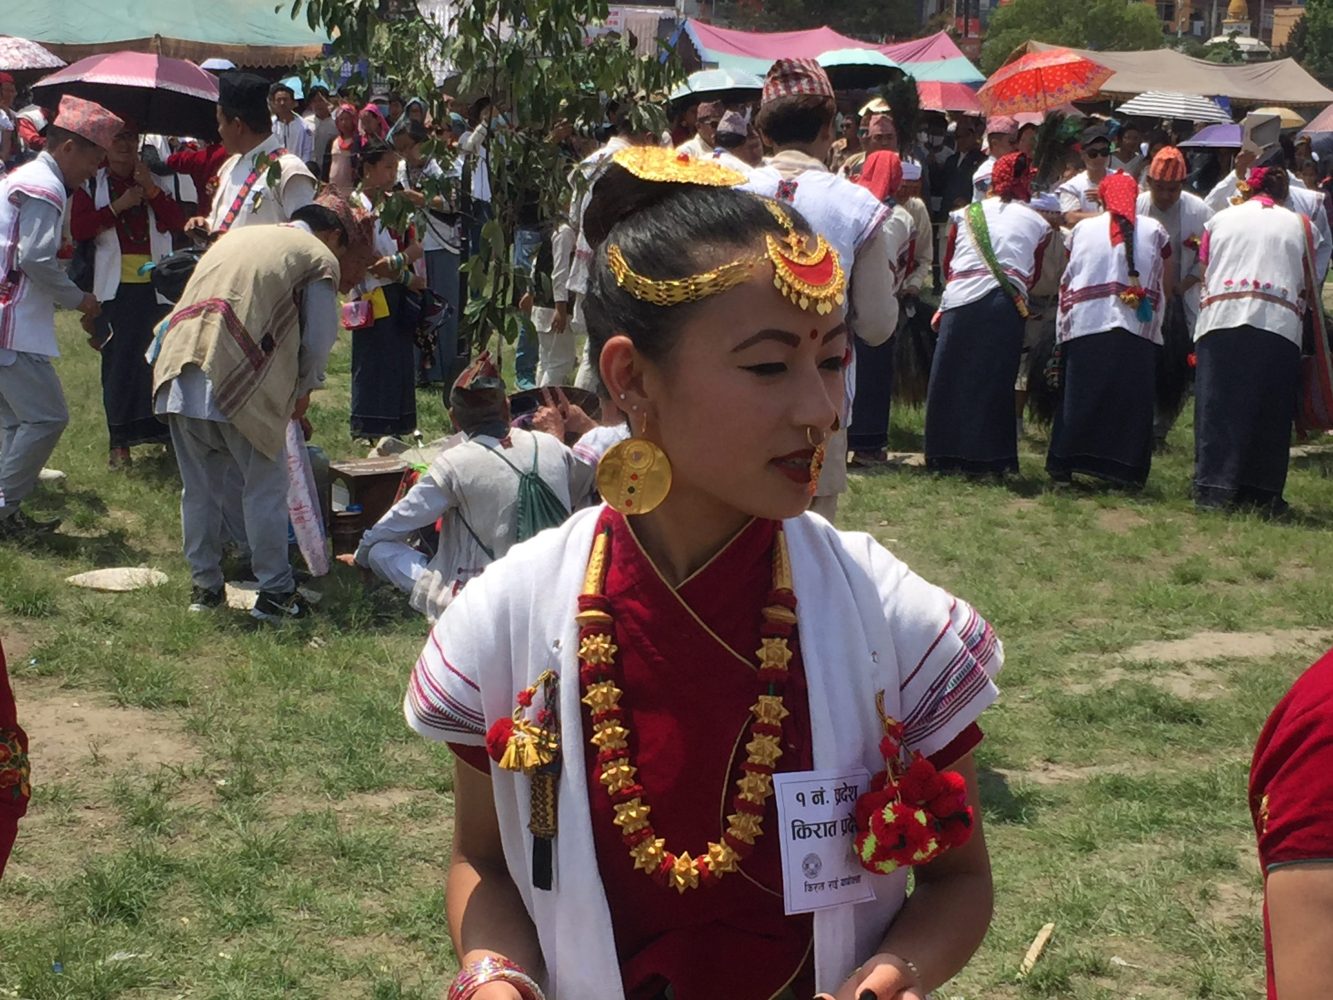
<point x="1246" y="387"/>
<point x="384" y="399"/>
<point x="970" y="421"/>
<point x="1104" y="426"/>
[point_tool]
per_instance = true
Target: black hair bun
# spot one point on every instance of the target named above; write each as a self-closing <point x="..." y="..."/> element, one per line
<point x="617" y="195"/>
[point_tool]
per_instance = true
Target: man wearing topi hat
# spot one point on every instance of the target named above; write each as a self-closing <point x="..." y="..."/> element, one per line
<point x="796" y="117"/>
<point x="1183" y="215"/>
<point x="707" y="117"/>
<point x="33" y="199"/>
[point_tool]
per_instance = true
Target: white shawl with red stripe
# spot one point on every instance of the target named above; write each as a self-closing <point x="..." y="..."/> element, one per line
<point x="867" y="623"/>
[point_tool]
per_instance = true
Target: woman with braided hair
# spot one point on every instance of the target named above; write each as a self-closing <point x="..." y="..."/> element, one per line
<point x="1259" y="278"/>
<point x="992" y="257"/>
<point x="1112" y="298"/>
<point x="702" y="640"/>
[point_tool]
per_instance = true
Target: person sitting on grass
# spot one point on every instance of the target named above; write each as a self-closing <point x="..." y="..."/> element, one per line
<point x="478" y="488"/>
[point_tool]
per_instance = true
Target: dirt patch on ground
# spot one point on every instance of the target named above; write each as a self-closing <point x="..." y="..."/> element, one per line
<point x="1191" y="682"/>
<point x="1232" y="902"/>
<point x="1047" y="773"/>
<point x="68" y="729"/>
<point x="1119" y="521"/>
<point x="1229" y="645"/>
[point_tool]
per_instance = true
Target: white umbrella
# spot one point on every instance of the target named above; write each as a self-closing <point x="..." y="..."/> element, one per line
<point x="19" y="54"/>
<point x="717" y="81"/>
<point x="1164" y="104"/>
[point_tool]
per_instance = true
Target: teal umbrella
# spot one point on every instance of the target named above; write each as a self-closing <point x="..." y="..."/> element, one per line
<point x="719" y="84"/>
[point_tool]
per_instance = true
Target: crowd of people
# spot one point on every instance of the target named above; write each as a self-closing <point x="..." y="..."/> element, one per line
<point x="744" y="289"/>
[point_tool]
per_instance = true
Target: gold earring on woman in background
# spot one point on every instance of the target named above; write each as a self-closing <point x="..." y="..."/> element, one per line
<point x="634" y="476"/>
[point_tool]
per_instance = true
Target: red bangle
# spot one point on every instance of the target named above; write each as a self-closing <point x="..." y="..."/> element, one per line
<point x="493" y="969"/>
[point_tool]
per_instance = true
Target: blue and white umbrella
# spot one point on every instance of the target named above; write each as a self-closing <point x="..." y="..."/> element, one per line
<point x="717" y="82"/>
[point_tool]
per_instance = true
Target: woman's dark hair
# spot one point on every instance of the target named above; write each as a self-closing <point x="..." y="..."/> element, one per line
<point x="321" y="220"/>
<point x="1276" y="184"/>
<point x="795" y="120"/>
<point x="1127" y="234"/>
<point x="372" y="151"/>
<point x="667" y="231"/>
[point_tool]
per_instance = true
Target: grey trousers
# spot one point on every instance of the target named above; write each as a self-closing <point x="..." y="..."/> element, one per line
<point x="205" y="450"/>
<point x="33" y="415"/>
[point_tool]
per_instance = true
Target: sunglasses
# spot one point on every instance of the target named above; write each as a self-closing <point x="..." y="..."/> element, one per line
<point x="1096" y="154"/>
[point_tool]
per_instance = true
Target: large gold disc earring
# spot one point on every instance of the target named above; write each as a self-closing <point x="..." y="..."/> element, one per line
<point x="634" y="476"/>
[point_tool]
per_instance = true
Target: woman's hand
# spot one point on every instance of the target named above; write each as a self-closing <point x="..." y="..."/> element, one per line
<point x="414" y="252"/>
<point x="883" y="977"/>
<point x="497" y="991"/>
<point x="383" y="268"/>
<point x="132" y="196"/>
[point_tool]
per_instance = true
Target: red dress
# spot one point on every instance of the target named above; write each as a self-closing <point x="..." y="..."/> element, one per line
<point x="1291" y="782"/>
<point x="14" y="776"/>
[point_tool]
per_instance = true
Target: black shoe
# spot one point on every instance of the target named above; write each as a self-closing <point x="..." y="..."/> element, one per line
<point x="275" y="607"/>
<point x="19" y="526"/>
<point x="203" y="599"/>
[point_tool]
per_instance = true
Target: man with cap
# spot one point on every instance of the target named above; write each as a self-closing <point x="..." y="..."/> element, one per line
<point x="33" y="202"/>
<point x="232" y="365"/>
<point x="1260" y="148"/>
<point x="738" y="145"/>
<point x="707" y="117"/>
<point x="1079" y="199"/>
<point x="1001" y="139"/>
<point x="245" y="194"/>
<point x="472" y="487"/>
<point x="796" y="116"/>
<point x="1183" y="216"/>
<point x="961" y="166"/>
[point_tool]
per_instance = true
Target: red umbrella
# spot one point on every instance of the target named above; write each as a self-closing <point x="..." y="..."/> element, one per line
<point x="1041" y="81"/>
<point x="168" y="96"/>
<point x="936" y="95"/>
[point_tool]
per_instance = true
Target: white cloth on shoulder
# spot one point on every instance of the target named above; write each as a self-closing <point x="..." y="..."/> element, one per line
<point x="867" y="624"/>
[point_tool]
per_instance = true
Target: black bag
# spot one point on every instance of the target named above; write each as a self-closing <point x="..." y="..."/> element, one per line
<point x="81" y="264"/>
<point x="172" y="273"/>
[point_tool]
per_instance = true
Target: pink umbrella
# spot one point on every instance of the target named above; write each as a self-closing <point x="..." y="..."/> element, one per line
<point x="168" y="96"/>
<point x="1042" y="81"/>
<point x="21" y="54"/>
<point x="936" y="95"/>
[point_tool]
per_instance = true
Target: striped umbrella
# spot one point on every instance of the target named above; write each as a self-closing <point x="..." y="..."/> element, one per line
<point x="1164" y="104"/>
<point x="18" y="54"/>
<point x="1042" y="81"/>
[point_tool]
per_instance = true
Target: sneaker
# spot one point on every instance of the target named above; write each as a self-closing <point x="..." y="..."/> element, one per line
<point x="19" y="526"/>
<point x="275" y="607"/>
<point x="203" y="599"/>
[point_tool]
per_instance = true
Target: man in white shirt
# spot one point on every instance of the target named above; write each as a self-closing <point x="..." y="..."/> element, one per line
<point x="323" y="127"/>
<point x="293" y="134"/>
<point x="1079" y="199"/>
<point x="1001" y="140"/>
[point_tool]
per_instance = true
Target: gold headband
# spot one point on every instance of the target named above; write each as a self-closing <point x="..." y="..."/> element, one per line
<point x="666" y="166"/>
<point x="807" y="277"/>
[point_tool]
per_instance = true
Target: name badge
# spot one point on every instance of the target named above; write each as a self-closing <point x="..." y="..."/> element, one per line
<point x="817" y="819"/>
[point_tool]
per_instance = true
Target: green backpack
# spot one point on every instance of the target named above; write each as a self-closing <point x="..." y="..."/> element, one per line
<point x="539" y="507"/>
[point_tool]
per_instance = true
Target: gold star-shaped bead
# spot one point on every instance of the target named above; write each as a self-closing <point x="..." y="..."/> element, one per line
<point x="770" y="709"/>
<point x="774" y="653"/>
<point x="648" y="854"/>
<point x="745" y="826"/>
<point x="632" y="816"/>
<point x="610" y="736"/>
<point x="764" y="749"/>
<point x="602" y="696"/>
<point x="597" y="649"/>
<point x="684" y="874"/>
<point x="755" y="787"/>
<point x="618" y="776"/>
<point x="721" y="858"/>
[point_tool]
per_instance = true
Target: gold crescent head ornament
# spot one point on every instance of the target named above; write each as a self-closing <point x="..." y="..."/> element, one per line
<point x="666" y="166"/>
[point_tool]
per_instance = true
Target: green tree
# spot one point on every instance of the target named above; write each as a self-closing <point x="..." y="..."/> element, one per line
<point x="532" y="57"/>
<point x="1311" y="41"/>
<point x="1113" y="25"/>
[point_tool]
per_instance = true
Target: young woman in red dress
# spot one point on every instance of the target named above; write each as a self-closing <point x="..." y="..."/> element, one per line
<point x="621" y="691"/>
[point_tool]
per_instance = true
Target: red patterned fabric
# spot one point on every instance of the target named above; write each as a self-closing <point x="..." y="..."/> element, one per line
<point x="1012" y="177"/>
<point x="790" y="77"/>
<point x="882" y="174"/>
<point x="89" y="120"/>
<point x="1120" y="195"/>
<point x="14" y="773"/>
<point x="1168" y="165"/>
<point x="1291" y="781"/>
<point x="86" y="220"/>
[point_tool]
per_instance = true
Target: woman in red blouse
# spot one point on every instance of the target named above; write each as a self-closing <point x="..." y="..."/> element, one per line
<point x="130" y="221"/>
<point x="14" y="787"/>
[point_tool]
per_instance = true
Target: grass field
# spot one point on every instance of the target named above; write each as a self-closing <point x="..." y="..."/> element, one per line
<point x="221" y="812"/>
